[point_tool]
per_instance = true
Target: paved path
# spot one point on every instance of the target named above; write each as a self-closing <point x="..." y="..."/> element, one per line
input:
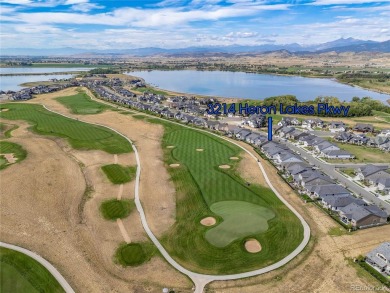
<point x="124" y="233"/>
<point x="329" y="169"/>
<point x="56" y="274"/>
<point x="201" y="280"/>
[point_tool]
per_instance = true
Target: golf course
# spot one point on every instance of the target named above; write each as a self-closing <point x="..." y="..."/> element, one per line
<point x="207" y="185"/>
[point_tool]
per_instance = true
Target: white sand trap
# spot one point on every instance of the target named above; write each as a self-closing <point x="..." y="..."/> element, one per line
<point x="233" y="158"/>
<point x="199" y="150"/>
<point x="224" y="167"/>
<point x="10" y="158"/>
<point x="170" y="147"/>
<point x="209" y="221"/>
<point x="252" y="246"/>
<point x="4" y="110"/>
<point x="174" y="165"/>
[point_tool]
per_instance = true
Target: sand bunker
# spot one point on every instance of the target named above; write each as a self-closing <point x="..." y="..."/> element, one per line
<point x="10" y="158"/>
<point x="174" y="165"/>
<point x="233" y="158"/>
<point x="4" y="110"/>
<point x="224" y="167"/>
<point x="199" y="150"/>
<point x="170" y="147"/>
<point x="209" y="221"/>
<point x="252" y="246"/>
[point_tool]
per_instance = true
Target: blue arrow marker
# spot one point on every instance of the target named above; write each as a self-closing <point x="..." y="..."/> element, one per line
<point x="269" y="128"/>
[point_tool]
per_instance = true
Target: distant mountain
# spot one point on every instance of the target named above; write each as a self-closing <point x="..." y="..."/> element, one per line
<point x="383" y="47"/>
<point x="340" y="43"/>
<point x="339" y="46"/>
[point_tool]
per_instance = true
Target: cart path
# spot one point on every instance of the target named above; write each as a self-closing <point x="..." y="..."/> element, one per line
<point x="55" y="273"/>
<point x="201" y="280"/>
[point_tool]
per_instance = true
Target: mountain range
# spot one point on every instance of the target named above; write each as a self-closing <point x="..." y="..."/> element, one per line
<point x="338" y="46"/>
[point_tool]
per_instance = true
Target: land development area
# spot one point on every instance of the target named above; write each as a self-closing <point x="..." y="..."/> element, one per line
<point x="110" y="187"/>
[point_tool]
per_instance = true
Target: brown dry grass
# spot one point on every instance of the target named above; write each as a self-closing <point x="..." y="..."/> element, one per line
<point x="40" y="206"/>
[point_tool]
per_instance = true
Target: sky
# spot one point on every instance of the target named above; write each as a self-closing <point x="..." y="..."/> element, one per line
<point x="120" y="24"/>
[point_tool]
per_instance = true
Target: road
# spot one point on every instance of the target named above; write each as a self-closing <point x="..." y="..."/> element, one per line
<point x="329" y="169"/>
<point x="56" y="274"/>
<point x="201" y="280"/>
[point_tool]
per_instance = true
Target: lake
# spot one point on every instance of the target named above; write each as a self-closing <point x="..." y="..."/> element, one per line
<point x="20" y="70"/>
<point x="12" y="83"/>
<point x="252" y="85"/>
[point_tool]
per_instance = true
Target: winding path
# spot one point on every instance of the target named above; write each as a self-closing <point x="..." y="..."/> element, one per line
<point x="201" y="280"/>
<point x="56" y="274"/>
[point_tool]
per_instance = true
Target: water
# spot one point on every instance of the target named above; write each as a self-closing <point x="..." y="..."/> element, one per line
<point x="19" y="70"/>
<point x="252" y="85"/>
<point x="12" y="83"/>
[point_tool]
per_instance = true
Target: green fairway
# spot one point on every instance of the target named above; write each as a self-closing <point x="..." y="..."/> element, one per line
<point x="134" y="254"/>
<point x="113" y="209"/>
<point x="21" y="274"/>
<point x="82" y="104"/>
<point x="119" y="174"/>
<point x="203" y="189"/>
<point x="79" y="134"/>
<point x="240" y="219"/>
<point x="10" y="148"/>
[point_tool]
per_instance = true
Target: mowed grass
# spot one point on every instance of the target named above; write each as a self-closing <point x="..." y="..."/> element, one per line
<point x="11" y="148"/>
<point x="82" y="104"/>
<point x="200" y="183"/>
<point x="240" y="219"/>
<point x="80" y="135"/>
<point x="119" y="174"/>
<point x="113" y="209"/>
<point x="134" y="254"/>
<point x="21" y="274"/>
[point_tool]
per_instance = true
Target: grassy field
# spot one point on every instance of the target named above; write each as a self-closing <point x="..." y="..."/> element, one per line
<point x="119" y="174"/>
<point x="22" y="274"/>
<point x="11" y="148"/>
<point x="151" y="90"/>
<point x="79" y="134"/>
<point x="203" y="189"/>
<point x="349" y="171"/>
<point x="82" y="104"/>
<point x="364" y="154"/>
<point x="113" y="209"/>
<point x="134" y="254"/>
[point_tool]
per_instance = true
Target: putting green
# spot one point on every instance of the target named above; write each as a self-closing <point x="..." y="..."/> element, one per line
<point x="240" y="219"/>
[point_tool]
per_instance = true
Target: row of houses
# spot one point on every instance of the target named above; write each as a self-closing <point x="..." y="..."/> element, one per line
<point x="27" y="93"/>
<point x="319" y="186"/>
<point x="381" y="141"/>
<point x="320" y="145"/>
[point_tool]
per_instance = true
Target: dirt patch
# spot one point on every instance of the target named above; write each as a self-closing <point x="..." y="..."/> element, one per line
<point x="170" y="147"/>
<point x="252" y="246"/>
<point x="9" y="157"/>
<point x="209" y="221"/>
<point x="224" y="166"/>
<point x="174" y="165"/>
<point x="233" y="158"/>
<point x="199" y="150"/>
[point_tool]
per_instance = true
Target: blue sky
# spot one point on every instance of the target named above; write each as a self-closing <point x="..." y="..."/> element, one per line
<point x="182" y="23"/>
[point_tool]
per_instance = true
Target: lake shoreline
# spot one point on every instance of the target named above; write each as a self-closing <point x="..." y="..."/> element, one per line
<point x="342" y="93"/>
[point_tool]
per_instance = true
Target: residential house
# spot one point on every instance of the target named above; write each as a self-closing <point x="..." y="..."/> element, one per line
<point x="319" y="191"/>
<point x="362" y="127"/>
<point x="338" y="154"/>
<point x="371" y="173"/>
<point x="379" y="258"/>
<point x="362" y="216"/>
<point x="337" y="126"/>
<point x="343" y="136"/>
<point x="241" y="135"/>
<point x="383" y="184"/>
<point x="335" y="202"/>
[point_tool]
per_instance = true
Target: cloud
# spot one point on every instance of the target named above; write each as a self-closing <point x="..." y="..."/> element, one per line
<point x="242" y="35"/>
<point x="345" y="2"/>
